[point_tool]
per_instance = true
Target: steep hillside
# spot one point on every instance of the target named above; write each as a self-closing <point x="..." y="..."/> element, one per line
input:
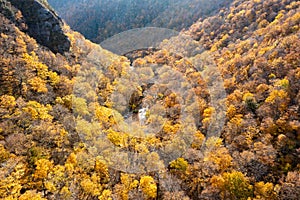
<point x="212" y="113"/>
<point x="99" y="20"/>
<point x="256" y="48"/>
<point x="42" y="24"/>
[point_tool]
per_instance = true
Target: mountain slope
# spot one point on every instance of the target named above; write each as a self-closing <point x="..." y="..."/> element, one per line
<point x="42" y="24"/>
<point x="99" y="20"/>
<point x="82" y="123"/>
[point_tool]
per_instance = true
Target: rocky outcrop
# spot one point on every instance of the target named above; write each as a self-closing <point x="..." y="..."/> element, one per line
<point x="43" y="25"/>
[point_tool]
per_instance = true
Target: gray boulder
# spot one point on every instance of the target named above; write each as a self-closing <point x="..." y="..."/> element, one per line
<point x="43" y="25"/>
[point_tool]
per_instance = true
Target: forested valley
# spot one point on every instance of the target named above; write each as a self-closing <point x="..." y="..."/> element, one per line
<point x="211" y="113"/>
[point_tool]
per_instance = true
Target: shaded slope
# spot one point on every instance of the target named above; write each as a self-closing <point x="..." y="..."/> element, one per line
<point x="99" y="20"/>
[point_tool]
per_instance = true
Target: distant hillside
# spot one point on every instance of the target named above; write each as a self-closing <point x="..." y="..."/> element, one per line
<point x="98" y="20"/>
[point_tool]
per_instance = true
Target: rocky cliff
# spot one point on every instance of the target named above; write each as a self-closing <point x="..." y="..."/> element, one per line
<point x="43" y="25"/>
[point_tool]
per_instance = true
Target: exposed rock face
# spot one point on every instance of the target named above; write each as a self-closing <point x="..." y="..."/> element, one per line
<point x="43" y="25"/>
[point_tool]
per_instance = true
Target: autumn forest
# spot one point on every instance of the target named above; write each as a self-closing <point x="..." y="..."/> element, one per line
<point x="210" y="112"/>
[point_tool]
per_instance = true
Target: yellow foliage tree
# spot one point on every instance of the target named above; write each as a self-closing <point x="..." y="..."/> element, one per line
<point x="38" y="84"/>
<point x="264" y="191"/>
<point x="279" y="98"/>
<point x="233" y="185"/>
<point x="117" y="138"/>
<point x="179" y="164"/>
<point x="4" y="154"/>
<point x="148" y="186"/>
<point x="7" y="105"/>
<point x="91" y="185"/>
<point x="102" y="169"/>
<point x="54" y="78"/>
<point x="198" y="140"/>
<point x="7" y="102"/>
<point x="171" y="129"/>
<point x="31" y="195"/>
<point x="43" y="167"/>
<point x="38" y="111"/>
<point x="207" y="114"/>
<point x="106" y="195"/>
<point x="231" y="111"/>
<point x="219" y="156"/>
<point x="128" y="183"/>
<point x="79" y="106"/>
